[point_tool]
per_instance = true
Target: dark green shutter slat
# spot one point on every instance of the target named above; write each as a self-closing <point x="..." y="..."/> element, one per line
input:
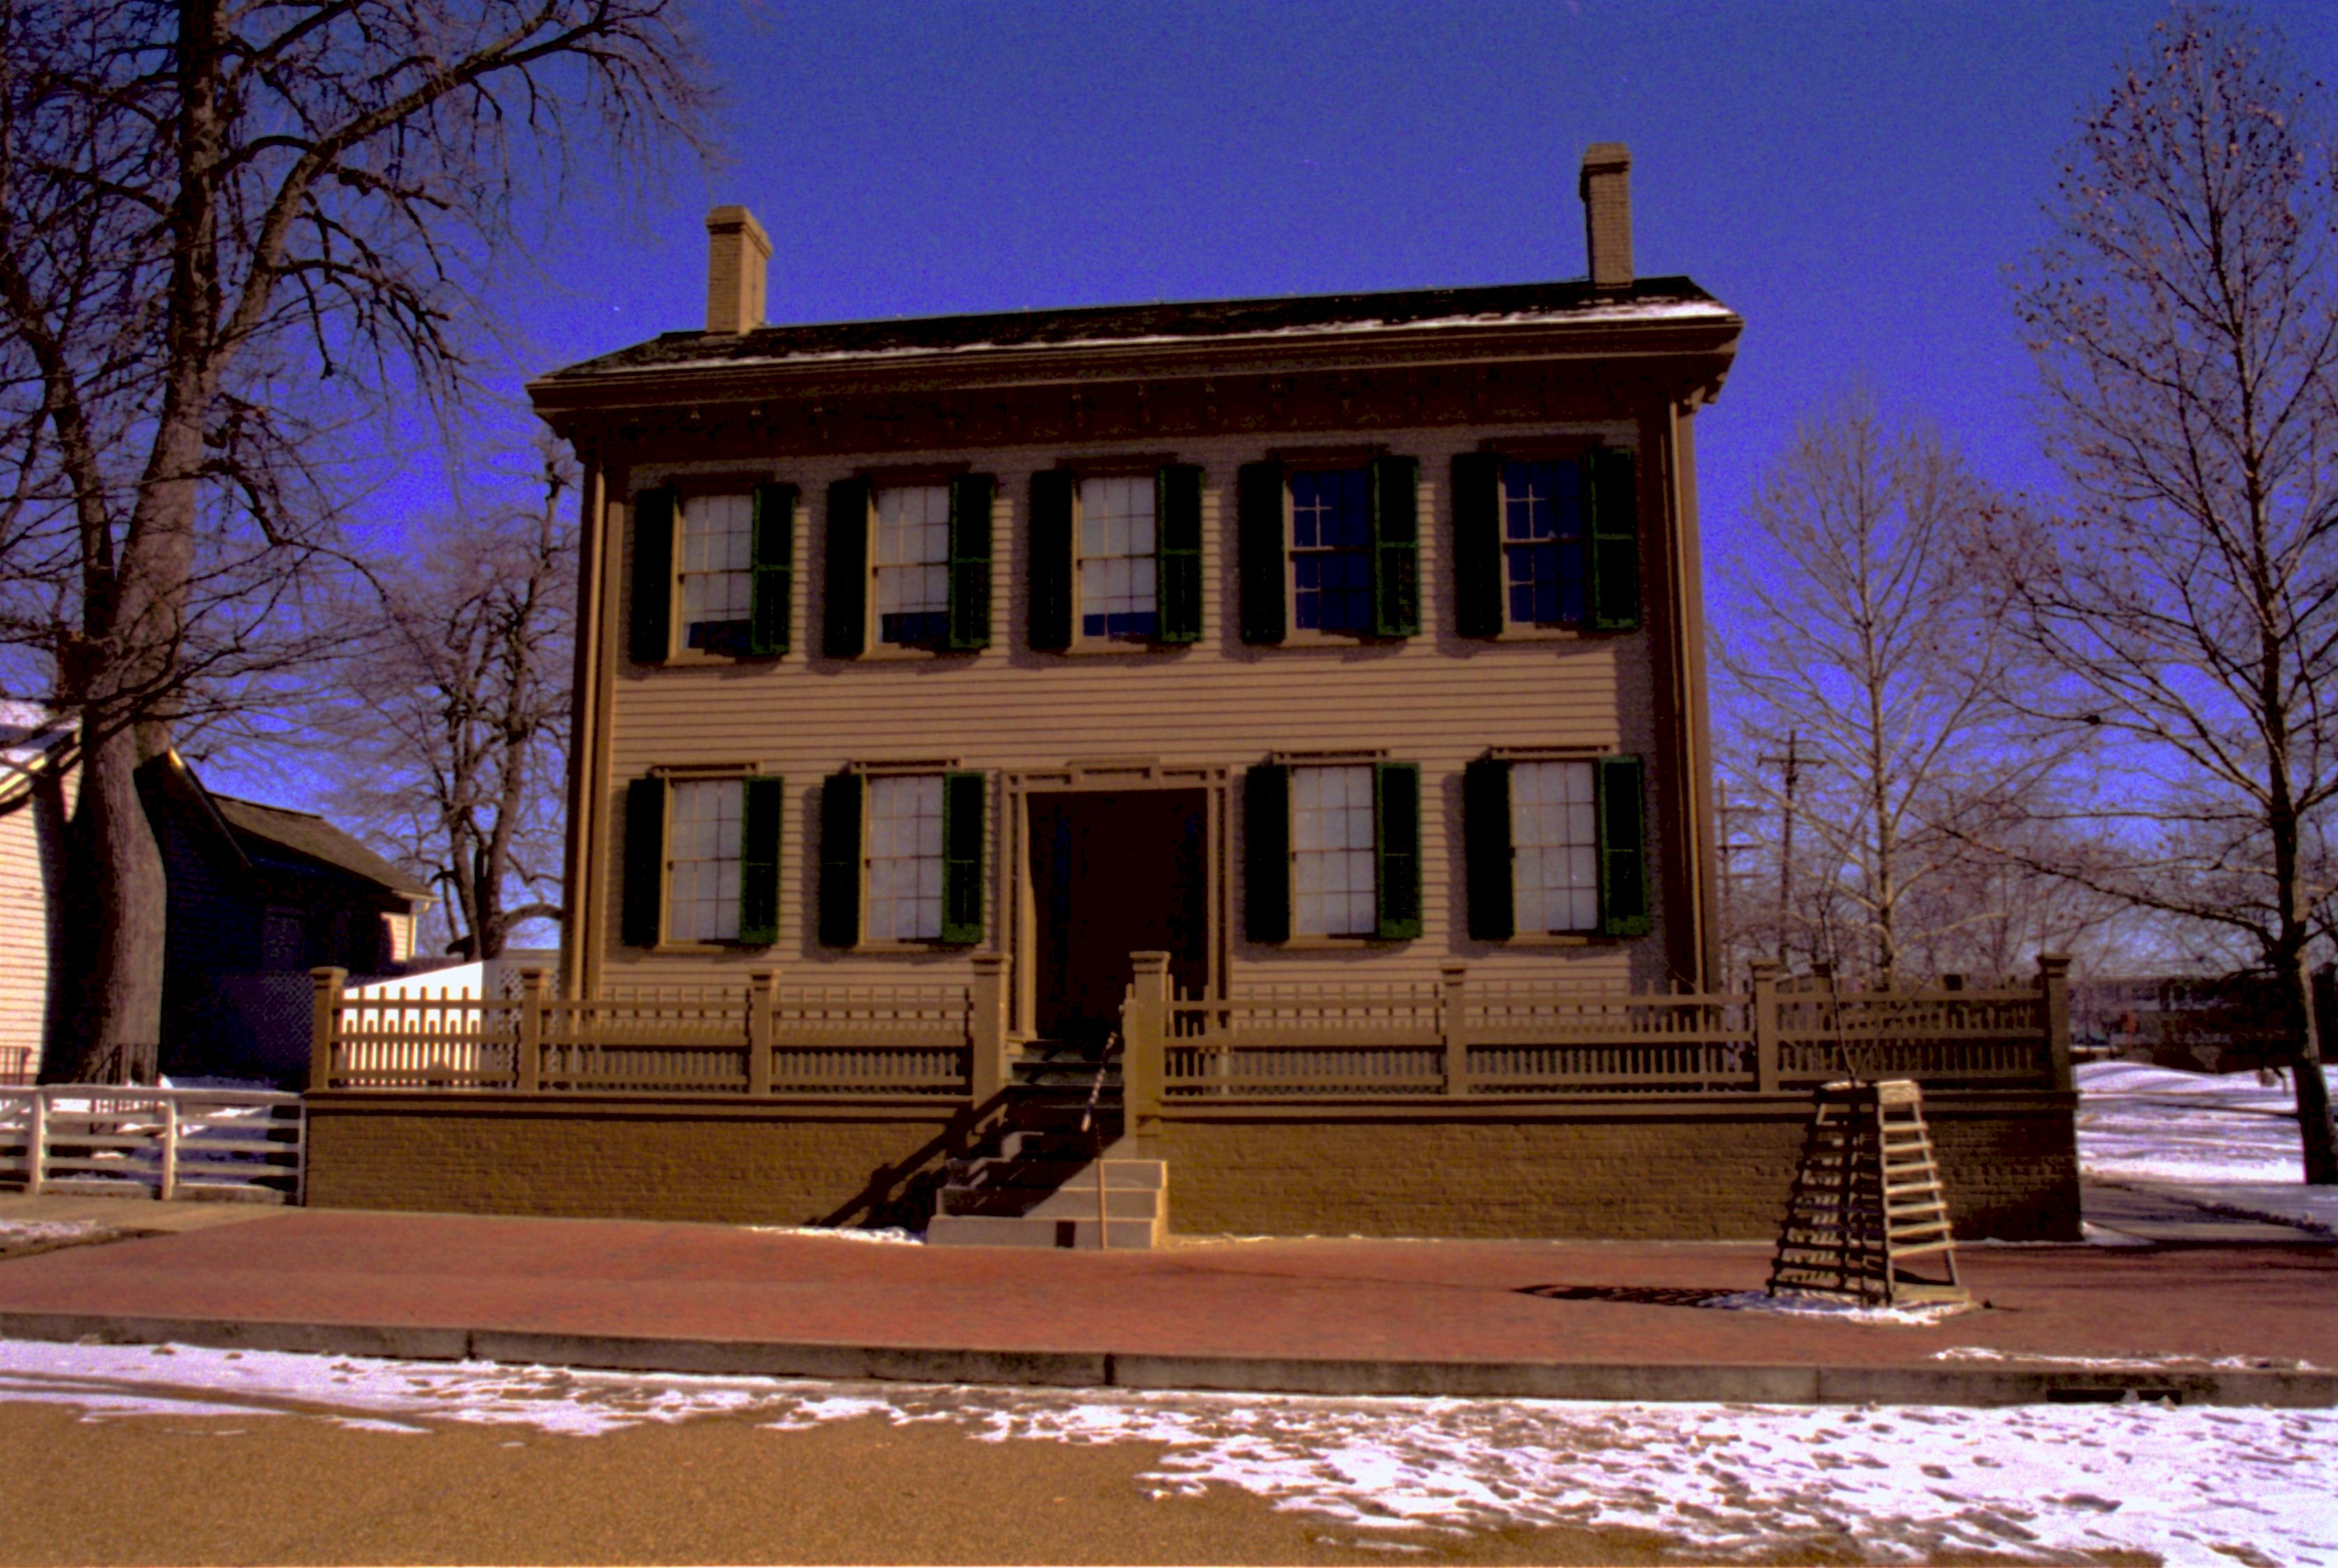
<point x="653" y="622"/>
<point x="762" y="806"/>
<point x="845" y="621"/>
<point x="1266" y="853"/>
<point x="839" y="859"/>
<point x="642" y="917"/>
<point x="1614" y="529"/>
<point x="963" y="820"/>
<point x="970" y="562"/>
<point x="1623" y="848"/>
<point x="1051" y="559"/>
<point x="1396" y="845"/>
<point x="1478" y="544"/>
<point x="1396" y="546"/>
<point x="772" y="630"/>
<point x="1486" y="839"/>
<point x="1259" y="503"/>
<point x="1177" y="554"/>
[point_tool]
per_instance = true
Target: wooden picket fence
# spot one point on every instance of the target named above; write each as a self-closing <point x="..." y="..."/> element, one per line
<point x="106" y="1139"/>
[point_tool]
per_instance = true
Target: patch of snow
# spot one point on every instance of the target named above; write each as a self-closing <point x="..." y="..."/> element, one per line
<point x="892" y="1235"/>
<point x="2222" y="1363"/>
<point x="16" y="1232"/>
<point x="2151" y="1124"/>
<point x="2036" y="1484"/>
<point x="1801" y="1304"/>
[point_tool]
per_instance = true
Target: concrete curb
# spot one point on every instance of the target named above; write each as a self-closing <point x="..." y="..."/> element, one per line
<point x="2010" y="1382"/>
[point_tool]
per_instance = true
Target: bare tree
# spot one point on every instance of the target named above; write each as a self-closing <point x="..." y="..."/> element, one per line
<point x="2184" y="315"/>
<point x="230" y="235"/>
<point x="1862" y="688"/>
<point x="452" y="712"/>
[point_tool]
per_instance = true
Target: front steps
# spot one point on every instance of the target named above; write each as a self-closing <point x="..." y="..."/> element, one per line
<point x="1135" y="1207"/>
<point x="1061" y="1138"/>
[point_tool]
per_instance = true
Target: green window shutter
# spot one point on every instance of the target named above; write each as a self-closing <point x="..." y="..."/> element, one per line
<point x="1485" y="840"/>
<point x="770" y="632"/>
<point x="1623" y="848"/>
<point x="1396" y="547"/>
<point x="1396" y="845"/>
<point x="643" y="918"/>
<point x="1478" y="544"/>
<point x="970" y="562"/>
<point x="1266" y="853"/>
<point x="763" y="805"/>
<point x="964" y="821"/>
<point x="840" y="861"/>
<point x="1615" y="530"/>
<point x="653" y="622"/>
<point x="1259" y="503"/>
<point x="1177" y="554"/>
<point x="845" y="588"/>
<point x="1051" y="559"/>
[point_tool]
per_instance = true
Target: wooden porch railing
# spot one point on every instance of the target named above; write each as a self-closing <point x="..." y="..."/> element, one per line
<point x="765" y="1038"/>
<point x="1464" y="1037"/>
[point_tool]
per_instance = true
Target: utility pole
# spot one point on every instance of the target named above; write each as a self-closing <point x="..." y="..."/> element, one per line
<point x="1725" y="810"/>
<point x="1791" y="764"/>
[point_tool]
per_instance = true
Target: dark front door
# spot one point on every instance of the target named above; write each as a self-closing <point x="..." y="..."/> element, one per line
<point x="1115" y="872"/>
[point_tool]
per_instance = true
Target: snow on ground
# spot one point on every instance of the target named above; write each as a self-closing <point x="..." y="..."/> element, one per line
<point x="2044" y="1484"/>
<point x="2157" y="1124"/>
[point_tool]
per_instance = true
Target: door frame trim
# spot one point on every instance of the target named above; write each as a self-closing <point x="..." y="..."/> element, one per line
<point x="1099" y="776"/>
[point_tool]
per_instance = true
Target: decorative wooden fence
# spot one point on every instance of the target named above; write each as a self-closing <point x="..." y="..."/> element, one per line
<point x="1456" y="1037"/>
<point x="172" y="1143"/>
<point x="1486" y="1038"/>
<point x="765" y="1039"/>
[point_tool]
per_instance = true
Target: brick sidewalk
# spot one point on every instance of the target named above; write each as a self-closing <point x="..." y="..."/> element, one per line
<point x="1358" y="1303"/>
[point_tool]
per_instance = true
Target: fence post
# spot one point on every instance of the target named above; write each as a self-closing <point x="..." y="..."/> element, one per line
<point x="1144" y="1031"/>
<point x="168" y="1187"/>
<point x="36" y="1142"/>
<point x="2054" y="981"/>
<point x="986" y="1028"/>
<point x="762" y="1000"/>
<point x="1765" y="1024"/>
<point x="1453" y="1016"/>
<point x="527" y="1064"/>
<point x="324" y="1023"/>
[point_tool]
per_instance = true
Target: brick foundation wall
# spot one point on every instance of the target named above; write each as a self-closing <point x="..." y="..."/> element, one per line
<point x="1679" y="1168"/>
<point x="628" y="1159"/>
<point x="1684" y="1170"/>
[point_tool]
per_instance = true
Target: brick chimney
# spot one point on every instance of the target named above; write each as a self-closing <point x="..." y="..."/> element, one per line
<point x="1605" y="188"/>
<point x="738" y="255"/>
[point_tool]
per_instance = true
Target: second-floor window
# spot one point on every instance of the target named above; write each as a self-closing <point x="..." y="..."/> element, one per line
<point x="913" y="564"/>
<point x="717" y="573"/>
<point x="1331" y="551"/>
<point x="1542" y="544"/>
<point x="1116" y="576"/>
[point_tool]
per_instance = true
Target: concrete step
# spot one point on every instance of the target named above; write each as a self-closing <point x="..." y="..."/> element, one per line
<point x="1120" y="1203"/>
<point x="1078" y="1234"/>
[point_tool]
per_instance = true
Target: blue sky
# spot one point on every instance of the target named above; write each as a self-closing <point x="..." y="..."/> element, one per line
<point x="1854" y="178"/>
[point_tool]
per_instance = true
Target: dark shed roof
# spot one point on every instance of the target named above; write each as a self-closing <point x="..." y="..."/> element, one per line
<point x="305" y="833"/>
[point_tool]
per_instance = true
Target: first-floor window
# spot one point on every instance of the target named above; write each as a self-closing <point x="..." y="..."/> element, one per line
<point x="718" y="582"/>
<point x="1117" y="595"/>
<point x="1554" y="846"/>
<point x="703" y="841"/>
<point x="1331" y="870"/>
<point x="912" y="564"/>
<point x="905" y="858"/>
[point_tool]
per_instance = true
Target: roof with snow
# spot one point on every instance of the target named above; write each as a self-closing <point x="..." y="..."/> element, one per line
<point x="1574" y="300"/>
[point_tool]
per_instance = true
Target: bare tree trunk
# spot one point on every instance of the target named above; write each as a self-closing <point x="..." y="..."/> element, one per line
<point x="109" y="979"/>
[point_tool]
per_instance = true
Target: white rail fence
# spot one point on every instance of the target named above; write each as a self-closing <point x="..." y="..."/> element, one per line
<point x="105" y="1138"/>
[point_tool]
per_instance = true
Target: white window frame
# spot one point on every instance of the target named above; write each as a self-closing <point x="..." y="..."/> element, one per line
<point x="1554" y="847"/>
<point x="936" y="570"/>
<point x="736" y="580"/>
<point x="884" y="866"/>
<point x="721" y="868"/>
<point x="1145" y="563"/>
